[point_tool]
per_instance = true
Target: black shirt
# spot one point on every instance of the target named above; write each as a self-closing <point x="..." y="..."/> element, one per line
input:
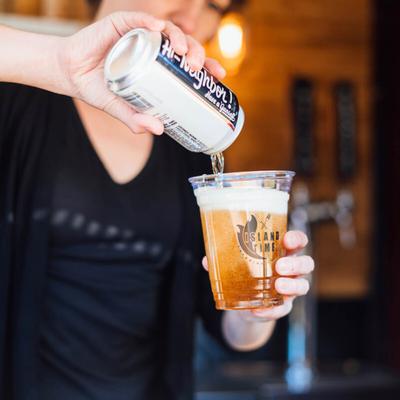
<point x="110" y="245"/>
<point x="75" y="305"/>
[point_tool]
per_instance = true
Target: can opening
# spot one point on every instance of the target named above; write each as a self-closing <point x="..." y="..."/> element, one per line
<point x="126" y="56"/>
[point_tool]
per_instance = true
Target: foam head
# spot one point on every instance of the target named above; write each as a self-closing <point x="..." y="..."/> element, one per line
<point x="242" y="198"/>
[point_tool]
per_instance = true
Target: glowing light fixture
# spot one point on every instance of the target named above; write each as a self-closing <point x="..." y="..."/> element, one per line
<point x="230" y="39"/>
<point x="229" y="45"/>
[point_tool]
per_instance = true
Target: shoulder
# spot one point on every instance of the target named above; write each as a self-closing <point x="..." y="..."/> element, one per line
<point x="21" y="104"/>
<point x="16" y="96"/>
<point x="15" y="92"/>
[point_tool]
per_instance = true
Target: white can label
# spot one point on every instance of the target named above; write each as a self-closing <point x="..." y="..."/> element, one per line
<point x="217" y="95"/>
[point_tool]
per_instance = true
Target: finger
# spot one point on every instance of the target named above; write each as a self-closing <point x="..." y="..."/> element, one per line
<point x="137" y="122"/>
<point x="274" y="313"/>
<point x="295" y="241"/>
<point x="123" y="22"/>
<point x="205" y="263"/>
<point x="177" y="37"/>
<point x="291" y="266"/>
<point x="292" y="287"/>
<point x="215" y="68"/>
<point x="196" y="54"/>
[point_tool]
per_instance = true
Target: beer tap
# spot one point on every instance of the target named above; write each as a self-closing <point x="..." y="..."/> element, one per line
<point x="302" y="332"/>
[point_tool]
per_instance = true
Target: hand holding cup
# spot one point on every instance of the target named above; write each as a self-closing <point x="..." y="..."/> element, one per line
<point x="291" y="283"/>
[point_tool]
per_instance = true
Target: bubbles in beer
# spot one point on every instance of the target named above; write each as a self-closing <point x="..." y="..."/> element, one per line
<point x="217" y="163"/>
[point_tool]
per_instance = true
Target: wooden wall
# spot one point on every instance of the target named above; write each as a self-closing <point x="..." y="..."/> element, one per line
<point x="326" y="41"/>
<point x="73" y="9"/>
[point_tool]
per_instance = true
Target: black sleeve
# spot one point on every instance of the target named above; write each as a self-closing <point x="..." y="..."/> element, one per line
<point x="7" y="97"/>
<point x="19" y="107"/>
<point x="12" y="102"/>
<point x="24" y="121"/>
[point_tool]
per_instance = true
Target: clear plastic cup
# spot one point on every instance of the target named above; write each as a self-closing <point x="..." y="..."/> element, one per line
<point x="244" y="219"/>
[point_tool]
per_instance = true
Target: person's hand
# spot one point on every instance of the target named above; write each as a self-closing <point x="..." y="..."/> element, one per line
<point x="291" y="283"/>
<point x="82" y="58"/>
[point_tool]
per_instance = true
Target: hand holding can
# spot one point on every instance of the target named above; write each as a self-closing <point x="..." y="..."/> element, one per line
<point x="197" y="110"/>
<point x="78" y="67"/>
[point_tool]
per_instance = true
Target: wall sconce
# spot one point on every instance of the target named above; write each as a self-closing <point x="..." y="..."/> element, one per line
<point x="229" y="45"/>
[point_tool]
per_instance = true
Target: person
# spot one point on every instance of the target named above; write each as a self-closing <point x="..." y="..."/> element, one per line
<point x="100" y="240"/>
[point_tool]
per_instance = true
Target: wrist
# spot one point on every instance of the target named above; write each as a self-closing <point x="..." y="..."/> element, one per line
<point x="33" y="59"/>
<point x="62" y="77"/>
<point x="245" y="332"/>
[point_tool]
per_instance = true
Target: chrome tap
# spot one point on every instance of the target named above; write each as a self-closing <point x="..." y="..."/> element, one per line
<point x="302" y="332"/>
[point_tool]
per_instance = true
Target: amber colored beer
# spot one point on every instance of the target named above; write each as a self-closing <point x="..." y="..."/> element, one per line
<point x="243" y="232"/>
<point x="242" y="260"/>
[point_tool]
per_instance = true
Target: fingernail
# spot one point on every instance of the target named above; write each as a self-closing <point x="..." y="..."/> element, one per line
<point x="282" y="285"/>
<point x="291" y="240"/>
<point x="283" y="266"/>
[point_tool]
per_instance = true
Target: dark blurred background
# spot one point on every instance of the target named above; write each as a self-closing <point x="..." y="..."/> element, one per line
<point x="319" y="82"/>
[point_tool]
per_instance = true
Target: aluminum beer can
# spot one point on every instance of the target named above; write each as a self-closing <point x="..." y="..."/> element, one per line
<point x="197" y="110"/>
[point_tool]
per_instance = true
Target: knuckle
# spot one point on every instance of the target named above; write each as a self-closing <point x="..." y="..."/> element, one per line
<point x="117" y="15"/>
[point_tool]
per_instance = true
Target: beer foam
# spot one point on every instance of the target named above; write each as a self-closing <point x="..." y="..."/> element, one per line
<point x="242" y="198"/>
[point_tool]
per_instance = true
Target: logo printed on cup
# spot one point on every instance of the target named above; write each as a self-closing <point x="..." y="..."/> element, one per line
<point x="256" y="240"/>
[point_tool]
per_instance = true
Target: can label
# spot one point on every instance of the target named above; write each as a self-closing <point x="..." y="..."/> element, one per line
<point x="201" y="82"/>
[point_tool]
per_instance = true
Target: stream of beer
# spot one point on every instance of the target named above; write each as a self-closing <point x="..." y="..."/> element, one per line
<point x="217" y="163"/>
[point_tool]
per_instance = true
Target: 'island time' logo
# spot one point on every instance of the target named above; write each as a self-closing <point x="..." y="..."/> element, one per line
<point x="256" y="239"/>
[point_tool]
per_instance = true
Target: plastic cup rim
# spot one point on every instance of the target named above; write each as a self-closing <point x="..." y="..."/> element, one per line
<point x="243" y="176"/>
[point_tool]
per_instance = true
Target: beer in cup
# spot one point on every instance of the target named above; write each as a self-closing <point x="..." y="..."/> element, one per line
<point x="244" y="219"/>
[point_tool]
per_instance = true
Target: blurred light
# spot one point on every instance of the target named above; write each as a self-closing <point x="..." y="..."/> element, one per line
<point x="229" y="45"/>
<point x="230" y="39"/>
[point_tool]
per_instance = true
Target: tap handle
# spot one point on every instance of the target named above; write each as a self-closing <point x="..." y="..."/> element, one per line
<point x="344" y="218"/>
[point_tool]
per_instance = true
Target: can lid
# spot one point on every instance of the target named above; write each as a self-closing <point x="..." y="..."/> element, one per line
<point x="129" y="57"/>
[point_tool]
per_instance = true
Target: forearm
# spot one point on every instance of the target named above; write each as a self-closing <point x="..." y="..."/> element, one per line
<point x="245" y="333"/>
<point x="32" y="59"/>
